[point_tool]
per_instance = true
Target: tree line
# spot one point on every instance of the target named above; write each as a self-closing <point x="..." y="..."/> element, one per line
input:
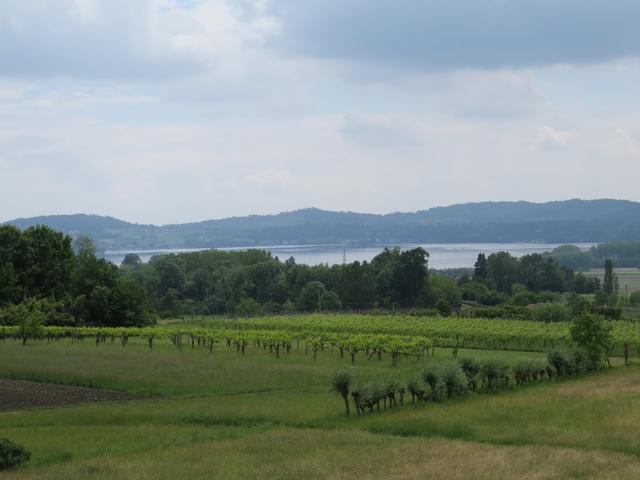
<point x="45" y="271"/>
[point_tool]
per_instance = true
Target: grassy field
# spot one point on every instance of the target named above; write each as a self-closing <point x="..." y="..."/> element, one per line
<point x="228" y="416"/>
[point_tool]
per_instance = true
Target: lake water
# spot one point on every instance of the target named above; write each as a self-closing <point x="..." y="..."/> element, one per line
<point x="450" y="255"/>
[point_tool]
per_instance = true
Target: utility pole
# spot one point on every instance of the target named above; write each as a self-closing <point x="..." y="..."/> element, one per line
<point x="344" y="256"/>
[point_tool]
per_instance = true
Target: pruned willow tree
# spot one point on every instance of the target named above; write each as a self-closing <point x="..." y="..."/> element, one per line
<point x="340" y="384"/>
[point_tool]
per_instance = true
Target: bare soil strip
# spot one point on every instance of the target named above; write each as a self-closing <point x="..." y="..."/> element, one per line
<point x="22" y="395"/>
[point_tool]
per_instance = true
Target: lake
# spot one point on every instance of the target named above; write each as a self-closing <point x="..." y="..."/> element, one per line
<point x="441" y="255"/>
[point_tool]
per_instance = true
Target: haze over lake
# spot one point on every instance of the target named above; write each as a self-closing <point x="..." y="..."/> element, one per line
<point x="456" y="255"/>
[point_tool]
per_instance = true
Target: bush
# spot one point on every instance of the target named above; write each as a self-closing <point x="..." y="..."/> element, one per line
<point x="12" y="455"/>
<point x="560" y="360"/>
<point x="454" y="379"/>
<point x="444" y="307"/>
<point x="471" y="369"/>
<point x="529" y="370"/>
<point x="430" y="375"/>
<point x="494" y="375"/>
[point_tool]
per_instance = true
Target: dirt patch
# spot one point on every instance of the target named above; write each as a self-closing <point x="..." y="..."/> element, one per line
<point x="21" y="395"/>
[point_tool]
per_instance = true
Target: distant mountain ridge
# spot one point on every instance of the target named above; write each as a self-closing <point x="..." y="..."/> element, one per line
<point x="567" y="221"/>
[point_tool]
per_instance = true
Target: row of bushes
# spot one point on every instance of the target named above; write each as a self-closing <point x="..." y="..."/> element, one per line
<point x="439" y="382"/>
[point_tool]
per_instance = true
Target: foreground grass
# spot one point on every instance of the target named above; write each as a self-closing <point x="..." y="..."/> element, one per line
<point x="289" y="454"/>
<point x="227" y="416"/>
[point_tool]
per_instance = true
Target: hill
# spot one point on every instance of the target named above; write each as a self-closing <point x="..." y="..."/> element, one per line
<point x="568" y="221"/>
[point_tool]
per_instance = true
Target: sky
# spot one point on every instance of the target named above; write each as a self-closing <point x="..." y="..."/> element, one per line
<point x="170" y="111"/>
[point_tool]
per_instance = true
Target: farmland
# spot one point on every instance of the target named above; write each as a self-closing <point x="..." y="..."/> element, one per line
<point x="628" y="278"/>
<point x="228" y="414"/>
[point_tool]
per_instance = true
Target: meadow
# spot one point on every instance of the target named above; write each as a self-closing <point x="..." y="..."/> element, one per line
<point x="229" y="415"/>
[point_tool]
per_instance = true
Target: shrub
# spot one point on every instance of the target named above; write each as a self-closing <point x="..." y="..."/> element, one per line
<point x="415" y="389"/>
<point x="12" y="455"/>
<point x="438" y="393"/>
<point x="559" y="360"/>
<point x="529" y="370"/>
<point x="444" y="307"/>
<point x="454" y="379"/>
<point x="431" y="374"/>
<point x="494" y="375"/>
<point x="471" y="368"/>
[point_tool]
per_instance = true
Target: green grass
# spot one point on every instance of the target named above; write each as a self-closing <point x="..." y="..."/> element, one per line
<point x="167" y="371"/>
<point x="228" y="416"/>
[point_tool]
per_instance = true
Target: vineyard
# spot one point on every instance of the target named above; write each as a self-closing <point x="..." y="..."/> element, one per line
<point x="352" y="336"/>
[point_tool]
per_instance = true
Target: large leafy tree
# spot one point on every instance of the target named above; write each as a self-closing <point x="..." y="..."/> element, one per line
<point x="44" y="262"/>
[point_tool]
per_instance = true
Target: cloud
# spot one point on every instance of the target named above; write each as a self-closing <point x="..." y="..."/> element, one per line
<point x="552" y="139"/>
<point x="436" y="35"/>
<point x="178" y="110"/>
<point x="382" y="131"/>
<point x="144" y="40"/>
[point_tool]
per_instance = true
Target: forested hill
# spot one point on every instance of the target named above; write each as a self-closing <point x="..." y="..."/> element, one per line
<point x="569" y="221"/>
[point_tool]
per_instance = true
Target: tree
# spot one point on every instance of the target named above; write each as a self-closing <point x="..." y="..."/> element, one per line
<point x="172" y="274"/>
<point x="98" y="306"/>
<point x="480" y="267"/>
<point x="247" y="307"/>
<point x="84" y="246"/>
<point x="593" y="335"/>
<point x="502" y="270"/>
<point x="311" y="296"/>
<point x="400" y="277"/>
<point x="44" y="262"/>
<point x="330" y="301"/>
<point x="131" y="260"/>
<point x="10" y="287"/>
<point x="170" y="305"/>
<point x="31" y="320"/>
<point x="443" y="288"/>
<point x="340" y="384"/>
<point x="609" y="285"/>
<point x="129" y="304"/>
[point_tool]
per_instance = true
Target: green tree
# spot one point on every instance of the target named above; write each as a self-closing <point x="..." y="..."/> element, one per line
<point x="31" y="320"/>
<point x="98" y="306"/>
<point x="329" y="301"/>
<point x="480" y="267"/>
<point x="502" y="271"/>
<point x="129" y="304"/>
<point x="44" y="262"/>
<point x="593" y="335"/>
<point x="609" y="284"/>
<point x="311" y="296"/>
<point x="131" y="260"/>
